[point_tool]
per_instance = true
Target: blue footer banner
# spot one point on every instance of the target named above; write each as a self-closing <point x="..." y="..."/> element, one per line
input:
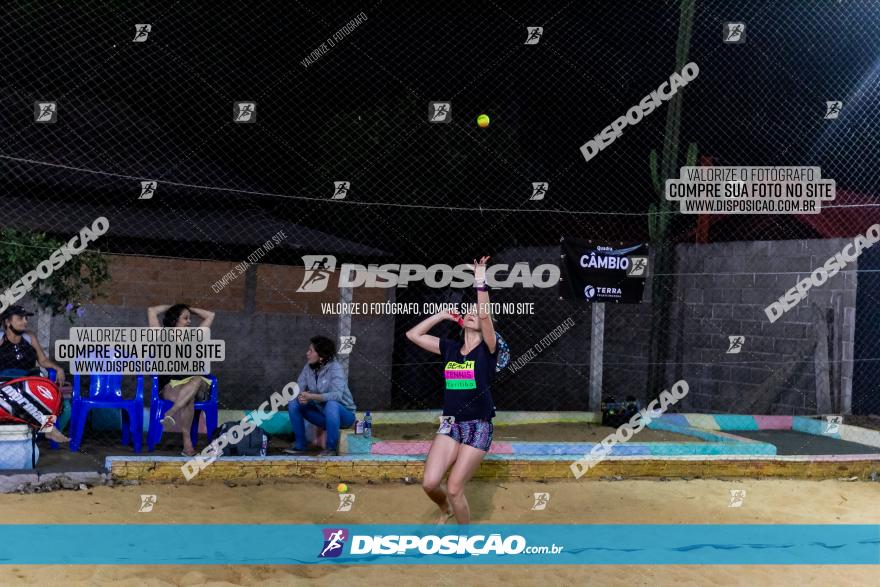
<point x="251" y="544"/>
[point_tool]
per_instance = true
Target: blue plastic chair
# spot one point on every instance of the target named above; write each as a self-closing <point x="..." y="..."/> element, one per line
<point x="52" y="376"/>
<point x="105" y="391"/>
<point x="159" y="406"/>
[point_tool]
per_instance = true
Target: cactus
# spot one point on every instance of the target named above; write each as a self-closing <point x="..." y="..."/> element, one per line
<point x="659" y="214"/>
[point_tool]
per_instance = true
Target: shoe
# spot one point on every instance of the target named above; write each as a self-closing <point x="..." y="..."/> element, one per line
<point x="328" y="453"/>
<point x="168" y="421"/>
<point x="294" y="451"/>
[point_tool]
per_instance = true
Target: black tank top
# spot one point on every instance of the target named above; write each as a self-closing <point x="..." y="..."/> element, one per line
<point x="17" y="356"/>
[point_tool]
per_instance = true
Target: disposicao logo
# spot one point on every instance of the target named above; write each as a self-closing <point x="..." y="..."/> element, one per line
<point x="334" y="542"/>
<point x="319" y="268"/>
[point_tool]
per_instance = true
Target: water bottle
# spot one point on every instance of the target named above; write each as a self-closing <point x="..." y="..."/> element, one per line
<point x="368" y="425"/>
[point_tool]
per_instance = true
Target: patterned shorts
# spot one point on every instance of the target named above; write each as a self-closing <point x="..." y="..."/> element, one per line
<point x="475" y="433"/>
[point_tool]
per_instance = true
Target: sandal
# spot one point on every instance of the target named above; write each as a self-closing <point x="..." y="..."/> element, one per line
<point x="168" y="421"/>
<point x="185" y="454"/>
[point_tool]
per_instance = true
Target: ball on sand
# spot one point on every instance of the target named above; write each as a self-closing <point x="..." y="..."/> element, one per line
<point x="483" y="120"/>
<point x="342" y="488"/>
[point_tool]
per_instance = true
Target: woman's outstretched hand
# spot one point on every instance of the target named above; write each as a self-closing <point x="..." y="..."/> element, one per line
<point x="479" y="269"/>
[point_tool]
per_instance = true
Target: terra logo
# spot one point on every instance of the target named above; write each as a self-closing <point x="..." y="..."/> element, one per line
<point x="334" y="541"/>
<point x="589" y="292"/>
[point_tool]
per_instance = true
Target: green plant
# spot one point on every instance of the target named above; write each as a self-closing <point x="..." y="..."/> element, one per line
<point x="69" y="287"/>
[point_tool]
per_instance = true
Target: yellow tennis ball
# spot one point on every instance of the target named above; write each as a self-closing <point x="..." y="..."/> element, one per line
<point x="342" y="488"/>
<point x="483" y="120"/>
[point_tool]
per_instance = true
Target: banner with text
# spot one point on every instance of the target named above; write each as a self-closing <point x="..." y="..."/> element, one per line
<point x="602" y="273"/>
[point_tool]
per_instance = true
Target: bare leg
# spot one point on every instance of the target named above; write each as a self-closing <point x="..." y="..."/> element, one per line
<point x="185" y="418"/>
<point x="56" y="435"/>
<point x="181" y="395"/>
<point x="442" y="454"/>
<point x="469" y="459"/>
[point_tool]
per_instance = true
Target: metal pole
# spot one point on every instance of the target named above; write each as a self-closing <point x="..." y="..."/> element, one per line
<point x="597" y="341"/>
<point x="344" y="324"/>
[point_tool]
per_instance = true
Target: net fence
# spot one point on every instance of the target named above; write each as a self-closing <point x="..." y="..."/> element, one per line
<point x="237" y="152"/>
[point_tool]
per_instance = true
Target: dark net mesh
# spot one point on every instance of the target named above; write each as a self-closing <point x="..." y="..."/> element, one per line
<point x="342" y="94"/>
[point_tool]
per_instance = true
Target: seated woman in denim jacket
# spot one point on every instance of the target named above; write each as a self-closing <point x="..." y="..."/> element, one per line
<point x="324" y="399"/>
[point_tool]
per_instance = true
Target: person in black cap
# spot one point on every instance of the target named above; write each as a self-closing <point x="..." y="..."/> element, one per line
<point x="20" y="351"/>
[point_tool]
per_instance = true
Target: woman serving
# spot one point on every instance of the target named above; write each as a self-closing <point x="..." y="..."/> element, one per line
<point x="465" y="433"/>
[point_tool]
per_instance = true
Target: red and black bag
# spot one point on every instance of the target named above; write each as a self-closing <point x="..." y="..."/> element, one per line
<point x="34" y="401"/>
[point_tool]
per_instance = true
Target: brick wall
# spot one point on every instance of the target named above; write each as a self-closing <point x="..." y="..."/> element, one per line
<point x="722" y="290"/>
<point x="264" y="322"/>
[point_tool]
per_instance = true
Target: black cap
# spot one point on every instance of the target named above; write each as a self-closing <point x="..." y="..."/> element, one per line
<point x="14" y="311"/>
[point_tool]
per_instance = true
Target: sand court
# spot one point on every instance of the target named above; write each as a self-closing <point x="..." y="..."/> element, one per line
<point x="502" y="502"/>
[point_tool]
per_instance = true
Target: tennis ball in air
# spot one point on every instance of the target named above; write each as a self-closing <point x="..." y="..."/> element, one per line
<point x="342" y="488"/>
<point x="483" y="120"/>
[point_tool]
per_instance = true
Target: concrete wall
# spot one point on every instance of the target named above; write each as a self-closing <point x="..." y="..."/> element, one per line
<point x="558" y="378"/>
<point x="722" y="290"/>
<point x="627" y="346"/>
